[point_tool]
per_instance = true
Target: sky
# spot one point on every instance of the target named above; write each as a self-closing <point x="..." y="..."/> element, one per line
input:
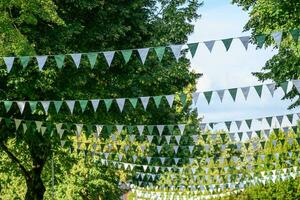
<point x="220" y="19"/>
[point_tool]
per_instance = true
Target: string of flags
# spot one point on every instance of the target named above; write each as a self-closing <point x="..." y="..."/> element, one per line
<point x="176" y="50"/>
<point x="157" y="100"/>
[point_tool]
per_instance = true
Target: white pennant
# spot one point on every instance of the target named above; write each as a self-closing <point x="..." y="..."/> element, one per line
<point x="277" y="36"/>
<point x="175" y="148"/>
<point x="143" y="54"/>
<point x="79" y="129"/>
<point x="170" y="99"/>
<point x="168" y="139"/>
<point x="296" y="83"/>
<point x="221" y="94"/>
<point x="140" y="129"/>
<point x="158" y="148"/>
<point x="45" y="105"/>
<point x="131" y="138"/>
<point x="41" y="60"/>
<point x="121" y="103"/>
<point x="181" y="128"/>
<point x="209" y="44"/>
<point x="109" y="56"/>
<point x="245" y="41"/>
<point x="150" y="138"/>
<point x="195" y="97"/>
<point x="21" y="105"/>
<point x="9" y="61"/>
<point x="71" y="104"/>
<point x="95" y="103"/>
<point x="176" y="49"/>
<point x="160" y="129"/>
<point x="145" y="101"/>
<point x="76" y="58"/>
<point x="98" y="131"/>
<point x="17" y="123"/>
<point x="245" y="91"/>
<point x="119" y="128"/>
<point x="177" y="138"/>
<point x="43" y="129"/>
<point x="271" y="88"/>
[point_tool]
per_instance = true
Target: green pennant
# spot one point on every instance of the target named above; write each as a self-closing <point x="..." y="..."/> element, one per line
<point x="92" y="59"/>
<point x="157" y="100"/>
<point x="59" y="59"/>
<point x="193" y="48"/>
<point x="211" y="125"/>
<point x="269" y="120"/>
<point x="295" y="34"/>
<point x="24" y="60"/>
<point x="258" y="89"/>
<point x="150" y="129"/>
<point x="109" y="128"/>
<point x="247" y="146"/>
<point x="295" y="129"/>
<point x="133" y="102"/>
<point x="183" y="99"/>
<point x="228" y="124"/>
<point x="130" y="129"/>
<point x="263" y="144"/>
<point x="290" y="117"/>
<point x="208" y="96"/>
<point x="276" y="131"/>
<point x="107" y="103"/>
<point x="282" y="141"/>
<point x="227" y="43"/>
<point x="240" y="134"/>
<point x="204" y="137"/>
<point x="7" y="105"/>
<point x="57" y="105"/>
<point x="284" y="87"/>
<point x="126" y="55"/>
<point x="171" y="128"/>
<point x="233" y="92"/>
<point x="258" y="133"/>
<point x="7" y="121"/>
<point x="298" y="140"/>
<point x="223" y="136"/>
<point x="260" y="39"/>
<point x="83" y="104"/>
<point x="32" y="105"/>
<point x="160" y="51"/>
<point x="248" y="122"/>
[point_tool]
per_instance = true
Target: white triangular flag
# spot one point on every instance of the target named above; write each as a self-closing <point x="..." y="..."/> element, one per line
<point x="277" y="36"/>
<point x="78" y="129"/>
<point x="17" y="123"/>
<point x="245" y="91"/>
<point x="245" y="41"/>
<point x="296" y="83"/>
<point x="140" y="129"/>
<point x="170" y="99"/>
<point x="145" y="101"/>
<point x="76" y="58"/>
<point x="160" y="129"/>
<point x="43" y="129"/>
<point x="220" y="94"/>
<point x="175" y="148"/>
<point x="271" y="88"/>
<point x="195" y="97"/>
<point x="45" y="105"/>
<point x="131" y="138"/>
<point x="121" y="103"/>
<point x="209" y="44"/>
<point x="71" y="104"/>
<point x="143" y="54"/>
<point x="98" y="131"/>
<point x="119" y="128"/>
<point x="9" y="61"/>
<point x="177" y="138"/>
<point x="158" y="148"/>
<point x="176" y="49"/>
<point x="168" y="139"/>
<point x="150" y="138"/>
<point x="41" y="60"/>
<point x="95" y="104"/>
<point x="109" y="56"/>
<point x="21" y="105"/>
<point x="181" y="128"/>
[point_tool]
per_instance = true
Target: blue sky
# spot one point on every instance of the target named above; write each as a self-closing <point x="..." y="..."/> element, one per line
<point x="223" y="69"/>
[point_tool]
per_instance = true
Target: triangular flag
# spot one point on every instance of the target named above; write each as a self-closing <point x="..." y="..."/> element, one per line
<point x="245" y="91"/>
<point x="143" y="54"/>
<point x="145" y="101"/>
<point x="157" y="100"/>
<point x="41" y="60"/>
<point x="83" y="104"/>
<point x="238" y="124"/>
<point x="181" y="128"/>
<point x="160" y="129"/>
<point x="32" y="105"/>
<point x="160" y="51"/>
<point x="9" y="61"/>
<point x="168" y="138"/>
<point x="176" y="49"/>
<point x="119" y="128"/>
<point x="284" y="86"/>
<point x="290" y="117"/>
<point x="221" y="94"/>
<point x="183" y="97"/>
<point x="296" y="84"/>
<point x="92" y="57"/>
<point x="150" y="129"/>
<point x="107" y="103"/>
<point x="178" y="138"/>
<point x="150" y="138"/>
<point x="228" y="124"/>
<point x="133" y="102"/>
<point x="140" y="129"/>
<point x="109" y="56"/>
<point x="195" y="97"/>
<point x="24" y="60"/>
<point x="76" y="58"/>
<point x="279" y="119"/>
<point x="95" y="104"/>
<point x="59" y="59"/>
<point x="260" y="39"/>
<point x="233" y="92"/>
<point x="170" y="99"/>
<point x="21" y="105"/>
<point x="17" y="123"/>
<point x="71" y="105"/>
<point x="258" y="89"/>
<point x="271" y="88"/>
<point x="248" y="122"/>
<point x="209" y="44"/>
<point x="269" y="120"/>
<point x="45" y="105"/>
<point x="227" y="42"/>
<point x="277" y="36"/>
<point x="245" y="41"/>
<point x="295" y="34"/>
<point x="126" y="55"/>
<point x="208" y="96"/>
<point x="193" y="48"/>
<point x="57" y="105"/>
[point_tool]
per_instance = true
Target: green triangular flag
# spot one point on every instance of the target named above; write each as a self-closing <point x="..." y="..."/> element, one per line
<point x="227" y="43"/>
<point x="208" y="96"/>
<point x="295" y="34"/>
<point x="157" y="100"/>
<point x="233" y="92"/>
<point x="57" y="105"/>
<point x="223" y="136"/>
<point x="171" y="128"/>
<point x="247" y="145"/>
<point x="204" y="137"/>
<point x="92" y="59"/>
<point x="276" y="131"/>
<point x="211" y="125"/>
<point x="133" y="102"/>
<point x="260" y="40"/>
<point x="126" y="55"/>
<point x="284" y="86"/>
<point x="59" y="59"/>
<point x="24" y="60"/>
<point x="269" y="120"/>
<point x="109" y="128"/>
<point x="228" y="124"/>
<point x="258" y="133"/>
<point x="150" y="129"/>
<point x="263" y="144"/>
<point x="240" y="134"/>
<point x="258" y="89"/>
<point x="183" y="99"/>
<point x="83" y="104"/>
<point x="248" y="122"/>
<point x="295" y="129"/>
<point x="130" y="129"/>
<point x="108" y="103"/>
<point x="290" y="117"/>
<point x="193" y="48"/>
<point x="7" y="105"/>
<point x="160" y="51"/>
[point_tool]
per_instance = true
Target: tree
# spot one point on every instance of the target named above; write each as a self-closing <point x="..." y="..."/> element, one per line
<point x="266" y="17"/>
<point x="52" y="27"/>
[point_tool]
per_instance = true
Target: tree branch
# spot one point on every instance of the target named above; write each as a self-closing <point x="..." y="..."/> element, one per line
<point x="16" y="160"/>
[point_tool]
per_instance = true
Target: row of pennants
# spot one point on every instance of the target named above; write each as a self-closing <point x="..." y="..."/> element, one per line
<point x="57" y="104"/>
<point x="142" y="52"/>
